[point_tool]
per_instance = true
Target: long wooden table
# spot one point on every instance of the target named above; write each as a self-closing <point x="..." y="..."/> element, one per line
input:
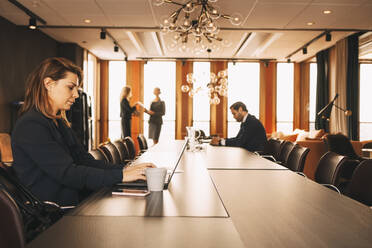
<point x="237" y="204"/>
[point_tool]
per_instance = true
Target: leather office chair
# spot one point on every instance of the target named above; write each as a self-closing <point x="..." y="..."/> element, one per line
<point x="11" y="225"/>
<point x="360" y="187"/>
<point x="335" y="171"/>
<point x="142" y="142"/>
<point x="296" y="158"/>
<point x="123" y="151"/>
<point x="131" y="147"/>
<point x="285" y="150"/>
<point x="340" y="144"/>
<point x="271" y="150"/>
<point x="37" y="215"/>
<point x="98" y="154"/>
<point x="111" y="152"/>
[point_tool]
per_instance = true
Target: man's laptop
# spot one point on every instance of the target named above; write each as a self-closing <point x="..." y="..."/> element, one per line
<point x="143" y="183"/>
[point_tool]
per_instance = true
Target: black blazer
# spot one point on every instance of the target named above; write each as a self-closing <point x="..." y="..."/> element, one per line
<point x="126" y="110"/>
<point x="251" y="136"/>
<point x="53" y="164"/>
<point x="159" y="110"/>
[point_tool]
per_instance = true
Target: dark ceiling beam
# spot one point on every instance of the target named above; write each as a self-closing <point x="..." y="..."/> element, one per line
<point x="117" y="43"/>
<point x="222" y="28"/>
<point x="307" y="44"/>
<point x="27" y="11"/>
<point x="229" y="59"/>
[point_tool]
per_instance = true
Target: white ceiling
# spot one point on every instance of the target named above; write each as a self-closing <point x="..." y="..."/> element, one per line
<point x="272" y="29"/>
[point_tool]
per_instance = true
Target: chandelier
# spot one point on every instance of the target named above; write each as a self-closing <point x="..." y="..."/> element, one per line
<point x="195" y="18"/>
<point x="216" y="87"/>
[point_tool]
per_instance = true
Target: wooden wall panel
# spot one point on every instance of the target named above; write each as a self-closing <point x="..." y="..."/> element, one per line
<point x="301" y="95"/>
<point x="218" y="116"/>
<point x="103" y="103"/>
<point x="184" y="105"/>
<point x="268" y="95"/>
<point x="135" y="79"/>
<point x="21" y="50"/>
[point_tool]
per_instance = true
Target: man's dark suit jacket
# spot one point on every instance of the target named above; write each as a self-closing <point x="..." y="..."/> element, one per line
<point x="53" y="164"/>
<point x="251" y="136"/>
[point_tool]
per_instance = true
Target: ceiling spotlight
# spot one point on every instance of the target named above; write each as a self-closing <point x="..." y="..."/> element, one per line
<point x="326" y="12"/>
<point x="87" y="21"/>
<point x="32" y="23"/>
<point x="310" y="23"/>
<point x="116" y="48"/>
<point x="103" y="35"/>
<point x="304" y="50"/>
<point x="328" y="36"/>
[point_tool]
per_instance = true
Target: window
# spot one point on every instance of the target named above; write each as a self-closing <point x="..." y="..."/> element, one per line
<point x="162" y="75"/>
<point x="117" y="80"/>
<point x="201" y="106"/>
<point x="284" y="97"/>
<point x="90" y="67"/>
<point x="243" y="86"/>
<point x="312" y="97"/>
<point x="365" y="117"/>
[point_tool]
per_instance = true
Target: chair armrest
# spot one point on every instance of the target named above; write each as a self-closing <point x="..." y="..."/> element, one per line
<point x="301" y="174"/>
<point x="334" y="188"/>
<point x="269" y="157"/>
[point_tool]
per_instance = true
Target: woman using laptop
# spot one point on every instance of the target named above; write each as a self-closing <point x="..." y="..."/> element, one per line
<point x="48" y="158"/>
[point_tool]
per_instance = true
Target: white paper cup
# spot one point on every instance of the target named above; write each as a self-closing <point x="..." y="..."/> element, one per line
<point x="155" y="178"/>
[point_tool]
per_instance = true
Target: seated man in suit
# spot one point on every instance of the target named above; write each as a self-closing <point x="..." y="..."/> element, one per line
<point x="252" y="134"/>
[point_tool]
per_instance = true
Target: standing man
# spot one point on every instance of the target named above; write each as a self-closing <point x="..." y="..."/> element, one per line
<point x="252" y="134"/>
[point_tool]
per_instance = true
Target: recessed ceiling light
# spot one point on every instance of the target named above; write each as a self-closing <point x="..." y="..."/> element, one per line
<point x="87" y="21"/>
<point x="327" y="12"/>
<point x="310" y="23"/>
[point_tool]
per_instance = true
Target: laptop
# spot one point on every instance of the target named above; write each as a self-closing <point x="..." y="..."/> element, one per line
<point x="143" y="183"/>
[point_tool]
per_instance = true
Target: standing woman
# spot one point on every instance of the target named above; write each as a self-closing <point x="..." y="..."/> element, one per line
<point x="157" y="110"/>
<point x="126" y="111"/>
<point x="48" y="158"/>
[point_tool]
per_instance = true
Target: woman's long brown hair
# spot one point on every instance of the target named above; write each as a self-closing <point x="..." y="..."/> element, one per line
<point x="36" y="95"/>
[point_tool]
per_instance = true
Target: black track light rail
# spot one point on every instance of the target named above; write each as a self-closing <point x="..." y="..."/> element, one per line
<point x="117" y="44"/>
<point x="307" y="44"/>
<point x="27" y="11"/>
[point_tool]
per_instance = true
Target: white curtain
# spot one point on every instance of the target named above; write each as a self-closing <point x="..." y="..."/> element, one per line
<point x="338" y="61"/>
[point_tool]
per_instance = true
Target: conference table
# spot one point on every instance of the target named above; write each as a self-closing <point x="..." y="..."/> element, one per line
<point x="218" y="197"/>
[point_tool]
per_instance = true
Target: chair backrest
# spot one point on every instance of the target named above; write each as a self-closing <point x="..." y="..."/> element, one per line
<point x="340" y="144"/>
<point x="36" y="214"/>
<point x="131" y="147"/>
<point x="11" y="224"/>
<point x="332" y="167"/>
<point x="297" y="157"/>
<point x="123" y="150"/>
<point x="272" y="147"/>
<point x="142" y="142"/>
<point x="367" y="145"/>
<point x="98" y="154"/>
<point x="360" y="187"/>
<point x="111" y="152"/>
<point x="5" y="148"/>
<point x="285" y="150"/>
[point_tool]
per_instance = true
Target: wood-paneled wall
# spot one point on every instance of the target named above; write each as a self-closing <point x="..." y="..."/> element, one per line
<point x="135" y="77"/>
<point x="21" y="50"/>
<point x="103" y="104"/>
<point x="268" y="95"/>
<point x="184" y="105"/>
<point x="218" y="118"/>
<point x="301" y="95"/>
